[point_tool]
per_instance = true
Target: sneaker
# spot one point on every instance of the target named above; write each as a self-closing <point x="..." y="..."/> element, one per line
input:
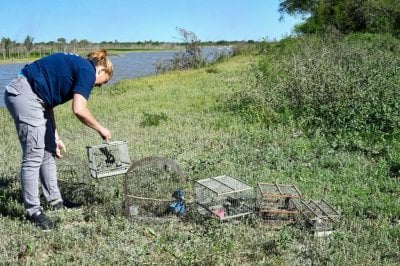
<point x="64" y="205"/>
<point x="58" y="206"/>
<point x="40" y="220"/>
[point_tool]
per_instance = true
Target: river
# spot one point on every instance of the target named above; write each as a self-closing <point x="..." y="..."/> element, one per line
<point x="126" y="65"/>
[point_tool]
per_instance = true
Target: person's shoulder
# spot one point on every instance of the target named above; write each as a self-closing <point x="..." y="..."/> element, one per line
<point x="73" y="56"/>
<point x="77" y="60"/>
<point x="57" y="56"/>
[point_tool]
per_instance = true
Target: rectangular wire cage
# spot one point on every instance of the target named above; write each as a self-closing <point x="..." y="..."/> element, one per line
<point x="108" y="159"/>
<point x="277" y="201"/>
<point x="319" y="215"/>
<point x="224" y="197"/>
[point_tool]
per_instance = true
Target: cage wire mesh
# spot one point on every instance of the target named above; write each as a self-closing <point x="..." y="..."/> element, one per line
<point x="224" y="197"/>
<point x="72" y="167"/>
<point x="77" y="186"/>
<point x="155" y="190"/>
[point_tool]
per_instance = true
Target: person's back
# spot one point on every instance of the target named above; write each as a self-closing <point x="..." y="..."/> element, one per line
<point x="55" y="78"/>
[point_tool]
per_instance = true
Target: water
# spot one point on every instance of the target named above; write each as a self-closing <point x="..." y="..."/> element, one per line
<point x="7" y="72"/>
<point x="126" y="65"/>
<point x="137" y="64"/>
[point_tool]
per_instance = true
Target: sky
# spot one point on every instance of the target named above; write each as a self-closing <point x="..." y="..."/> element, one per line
<point x="144" y="20"/>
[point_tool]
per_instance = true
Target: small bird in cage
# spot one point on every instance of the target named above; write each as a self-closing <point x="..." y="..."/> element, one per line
<point x="110" y="158"/>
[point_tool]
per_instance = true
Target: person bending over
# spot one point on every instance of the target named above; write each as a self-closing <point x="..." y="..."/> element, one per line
<point x="30" y="99"/>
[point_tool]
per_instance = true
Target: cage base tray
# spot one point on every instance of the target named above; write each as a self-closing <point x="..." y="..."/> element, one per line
<point x="121" y="170"/>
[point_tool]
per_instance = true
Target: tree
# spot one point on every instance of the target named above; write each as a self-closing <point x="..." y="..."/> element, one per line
<point x="28" y="43"/>
<point x="84" y="43"/>
<point x="6" y="43"/>
<point x="61" y="42"/>
<point x="345" y="16"/>
<point x="191" y="58"/>
<point x="74" y="42"/>
<point x="188" y="59"/>
<point x="303" y="7"/>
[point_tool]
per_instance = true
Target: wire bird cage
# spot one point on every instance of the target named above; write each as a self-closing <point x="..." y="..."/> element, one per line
<point x="72" y="167"/>
<point x="154" y="190"/>
<point x="224" y="197"/>
<point x="277" y="201"/>
<point x="319" y="215"/>
<point x="108" y="159"/>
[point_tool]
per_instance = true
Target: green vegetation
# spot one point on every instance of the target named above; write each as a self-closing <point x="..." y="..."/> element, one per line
<point x="346" y="88"/>
<point x="345" y="16"/>
<point x="262" y="117"/>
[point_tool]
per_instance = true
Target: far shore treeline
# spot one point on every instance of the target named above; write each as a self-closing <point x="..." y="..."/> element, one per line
<point x="10" y="50"/>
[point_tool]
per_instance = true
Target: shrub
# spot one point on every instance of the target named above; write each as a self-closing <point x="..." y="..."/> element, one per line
<point x="152" y="119"/>
<point x="190" y="58"/>
<point x="245" y="48"/>
<point x="347" y="88"/>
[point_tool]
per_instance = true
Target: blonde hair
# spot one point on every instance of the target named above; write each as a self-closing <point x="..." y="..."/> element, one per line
<point x="99" y="57"/>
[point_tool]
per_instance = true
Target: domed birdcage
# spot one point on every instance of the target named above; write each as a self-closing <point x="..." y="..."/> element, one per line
<point x="154" y="190"/>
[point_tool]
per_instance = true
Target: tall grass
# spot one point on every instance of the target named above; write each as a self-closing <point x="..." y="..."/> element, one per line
<point x="184" y="116"/>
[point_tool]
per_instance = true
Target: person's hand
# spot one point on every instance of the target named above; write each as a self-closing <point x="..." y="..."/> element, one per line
<point x="60" y="149"/>
<point x="105" y="134"/>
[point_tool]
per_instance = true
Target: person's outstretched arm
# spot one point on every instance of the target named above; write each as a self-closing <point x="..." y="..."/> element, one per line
<point x="81" y="110"/>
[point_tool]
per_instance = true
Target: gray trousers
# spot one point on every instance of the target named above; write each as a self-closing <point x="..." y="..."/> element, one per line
<point x="36" y="134"/>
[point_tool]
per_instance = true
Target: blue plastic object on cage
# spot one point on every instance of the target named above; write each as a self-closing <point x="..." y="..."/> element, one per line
<point x="178" y="207"/>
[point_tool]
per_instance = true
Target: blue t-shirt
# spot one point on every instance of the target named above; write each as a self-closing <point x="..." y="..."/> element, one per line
<point x="57" y="77"/>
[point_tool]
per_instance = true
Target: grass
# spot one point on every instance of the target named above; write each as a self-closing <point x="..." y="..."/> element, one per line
<point x="182" y="116"/>
<point x="17" y="60"/>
